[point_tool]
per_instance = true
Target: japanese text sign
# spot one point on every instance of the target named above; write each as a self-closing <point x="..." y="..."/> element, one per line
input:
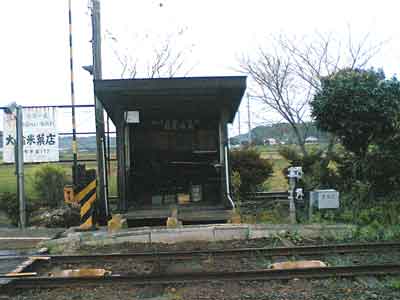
<point x="40" y="135"/>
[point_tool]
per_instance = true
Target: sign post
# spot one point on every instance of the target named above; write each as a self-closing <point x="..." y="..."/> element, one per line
<point x="19" y="145"/>
<point x="295" y="173"/>
<point x="14" y="140"/>
<point x="30" y="135"/>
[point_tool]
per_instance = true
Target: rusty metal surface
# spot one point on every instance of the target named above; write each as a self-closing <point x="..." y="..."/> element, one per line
<point x="347" y="271"/>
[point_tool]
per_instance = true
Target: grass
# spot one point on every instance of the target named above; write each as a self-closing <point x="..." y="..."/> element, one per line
<point x="8" y="180"/>
<point x="278" y="213"/>
<point x="277" y="182"/>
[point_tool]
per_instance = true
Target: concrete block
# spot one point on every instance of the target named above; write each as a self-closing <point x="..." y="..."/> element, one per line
<point x="260" y="233"/>
<point x="173" y="223"/>
<point x="137" y="238"/>
<point x="231" y="232"/>
<point x="235" y="218"/>
<point x="170" y="236"/>
<point x="130" y="232"/>
<point x="117" y="223"/>
<point x="98" y="242"/>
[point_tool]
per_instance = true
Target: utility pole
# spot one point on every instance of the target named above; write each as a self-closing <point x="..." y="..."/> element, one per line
<point x="99" y="115"/>
<point x="248" y="118"/>
<point x="71" y="66"/>
<point x="239" y="121"/>
<point x="19" y="159"/>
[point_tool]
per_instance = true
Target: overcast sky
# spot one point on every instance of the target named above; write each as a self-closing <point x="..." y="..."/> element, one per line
<point x="34" y="60"/>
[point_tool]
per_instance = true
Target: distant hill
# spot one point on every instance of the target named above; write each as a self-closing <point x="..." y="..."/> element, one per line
<point x="282" y="132"/>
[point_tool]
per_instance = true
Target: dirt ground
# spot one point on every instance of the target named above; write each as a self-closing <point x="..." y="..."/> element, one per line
<point x="342" y="289"/>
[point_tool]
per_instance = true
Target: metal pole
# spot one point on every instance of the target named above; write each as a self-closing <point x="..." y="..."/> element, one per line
<point x="310" y="206"/>
<point x="71" y="66"/>
<point x="99" y="114"/>
<point x="292" y="207"/>
<point x="105" y="181"/>
<point x="239" y="122"/>
<point x="248" y="117"/>
<point x="108" y="149"/>
<point x="19" y="159"/>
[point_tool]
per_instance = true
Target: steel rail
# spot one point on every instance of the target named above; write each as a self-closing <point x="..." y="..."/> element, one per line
<point x="267" y="196"/>
<point x="269" y="274"/>
<point x="277" y="251"/>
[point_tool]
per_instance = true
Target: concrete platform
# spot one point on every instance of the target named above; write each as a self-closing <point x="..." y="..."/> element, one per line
<point x="72" y="241"/>
<point x="30" y="232"/>
<point x="16" y="239"/>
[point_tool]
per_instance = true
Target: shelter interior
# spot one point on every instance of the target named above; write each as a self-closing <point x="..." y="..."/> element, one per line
<point x="172" y="143"/>
<point x="174" y="162"/>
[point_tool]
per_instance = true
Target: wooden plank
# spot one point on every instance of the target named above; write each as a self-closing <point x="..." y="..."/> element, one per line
<point x="24" y="274"/>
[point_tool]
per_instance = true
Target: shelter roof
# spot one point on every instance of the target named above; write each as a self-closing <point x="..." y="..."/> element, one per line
<point x="188" y="97"/>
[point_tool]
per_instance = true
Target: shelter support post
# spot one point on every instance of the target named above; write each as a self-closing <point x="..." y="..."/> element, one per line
<point x="121" y="158"/>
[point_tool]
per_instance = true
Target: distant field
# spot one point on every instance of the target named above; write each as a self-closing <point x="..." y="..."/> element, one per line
<point x="277" y="182"/>
<point x="8" y="179"/>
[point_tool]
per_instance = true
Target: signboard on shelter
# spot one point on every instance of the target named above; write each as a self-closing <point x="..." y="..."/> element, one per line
<point x="40" y="135"/>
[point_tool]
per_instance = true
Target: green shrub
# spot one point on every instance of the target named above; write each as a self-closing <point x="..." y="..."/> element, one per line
<point x="318" y="166"/>
<point x="253" y="169"/>
<point x="236" y="182"/>
<point x="48" y="182"/>
<point x="10" y="205"/>
<point x="395" y="283"/>
<point x="376" y="232"/>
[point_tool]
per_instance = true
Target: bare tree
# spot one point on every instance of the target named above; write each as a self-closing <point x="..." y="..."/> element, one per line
<point x="286" y="75"/>
<point x="164" y="60"/>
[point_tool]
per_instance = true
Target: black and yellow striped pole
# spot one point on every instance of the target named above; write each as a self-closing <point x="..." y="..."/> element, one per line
<point x="71" y="65"/>
<point x="86" y="198"/>
<point x="84" y="195"/>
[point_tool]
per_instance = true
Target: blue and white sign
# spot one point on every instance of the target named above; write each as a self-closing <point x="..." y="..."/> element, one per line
<point x="40" y="135"/>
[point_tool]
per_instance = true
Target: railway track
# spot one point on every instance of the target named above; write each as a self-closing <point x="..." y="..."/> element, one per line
<point x="35" y="281"/>
<point x="183" y="255"/>
<point x="307" y="273"/>
<point x="264" y="196"/>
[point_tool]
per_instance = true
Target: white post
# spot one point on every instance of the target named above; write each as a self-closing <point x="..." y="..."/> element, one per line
<point x="295" y="173"/>
<point x="292" y="207"/>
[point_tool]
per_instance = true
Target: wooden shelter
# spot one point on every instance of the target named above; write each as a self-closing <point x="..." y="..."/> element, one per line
<point x="172" y="146"/>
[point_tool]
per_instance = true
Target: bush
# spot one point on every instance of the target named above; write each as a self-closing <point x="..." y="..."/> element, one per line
<point x="10" y="205"/>
<point x="48" y="183"/>
<point x="319" y="168"/>
<point x="236" y="182"/>
<point x="253" y="169"/>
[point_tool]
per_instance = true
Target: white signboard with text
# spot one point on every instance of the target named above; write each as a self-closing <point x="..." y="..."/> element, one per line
<point x="40" y="135"/>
